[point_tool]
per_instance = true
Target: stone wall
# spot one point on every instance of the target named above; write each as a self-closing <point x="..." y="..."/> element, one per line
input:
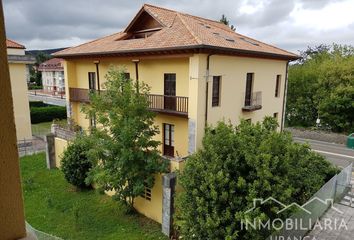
<point x="318" y="135"/>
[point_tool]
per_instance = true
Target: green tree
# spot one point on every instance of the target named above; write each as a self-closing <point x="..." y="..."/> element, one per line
<point x="236" y="165"/>
<point x="225" y="21"/>
<point x="321" y="86"/>
<point x="125" y="155"/>
<point x="35" y="75"/>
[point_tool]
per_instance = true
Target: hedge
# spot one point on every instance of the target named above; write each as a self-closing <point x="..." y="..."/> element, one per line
<point x="47" y="114"/>
<point x="38" y="104"/>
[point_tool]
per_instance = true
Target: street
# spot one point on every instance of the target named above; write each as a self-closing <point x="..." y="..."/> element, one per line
<point x="53" y="100"/>
<point x="338" y="154"/>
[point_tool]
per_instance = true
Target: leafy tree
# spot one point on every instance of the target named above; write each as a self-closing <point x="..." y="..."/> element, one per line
<point x="321" y="86"/>
<point x="35" y="75"/>
<point x="75" y="163"/>
<point x="225" y="21"/>
<point x="125" y="155"/>
<point x="236" y="165"/>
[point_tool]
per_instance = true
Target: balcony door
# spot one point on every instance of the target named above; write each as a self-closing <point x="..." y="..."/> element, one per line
<point x="249" y="88"/>
<point x="170" y="91"/>
<point x="168" y="139"/>
<point x="92" y="81"/>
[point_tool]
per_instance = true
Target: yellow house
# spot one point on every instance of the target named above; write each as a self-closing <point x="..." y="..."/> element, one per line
<point x="17" y="65"/>
<point x="199" y="71"/>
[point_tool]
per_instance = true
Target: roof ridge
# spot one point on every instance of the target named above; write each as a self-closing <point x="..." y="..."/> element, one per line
<point x="189" y="30"/>
<point x="154" y="6"/>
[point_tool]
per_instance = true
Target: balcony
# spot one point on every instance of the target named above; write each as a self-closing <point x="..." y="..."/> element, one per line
<point x="169" y="104"/>
<point x="173" y="105"/>
<point x="252" y="102"/>
<point x="79" y="95"/>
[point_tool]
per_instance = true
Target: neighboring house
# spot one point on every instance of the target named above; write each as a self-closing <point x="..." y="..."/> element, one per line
<point x="17" y="65"/>
<point x="53" y="75"/>
<point x="199" y="71"/>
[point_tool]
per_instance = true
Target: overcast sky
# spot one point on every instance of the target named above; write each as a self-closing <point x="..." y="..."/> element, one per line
<point x="289" y="24"/>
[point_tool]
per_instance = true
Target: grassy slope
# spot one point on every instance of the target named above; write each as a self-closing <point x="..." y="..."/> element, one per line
<point x="44" y="127"/>
<point x="54" y="206"/>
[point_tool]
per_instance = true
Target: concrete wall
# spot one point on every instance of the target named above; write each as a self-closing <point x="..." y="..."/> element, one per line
<point x="233" y="72"/>
<point x="60" y="146"/>
<point x="20" y="100"/>
<point x="12" y="220"/>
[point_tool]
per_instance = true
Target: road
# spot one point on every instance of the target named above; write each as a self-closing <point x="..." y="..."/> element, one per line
<point x="53" y="100"/>
<point x="338" y="154"/>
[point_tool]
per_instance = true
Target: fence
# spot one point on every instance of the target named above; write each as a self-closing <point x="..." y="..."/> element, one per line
<point x="320" y="202"/>
<point x="39" y="235"/>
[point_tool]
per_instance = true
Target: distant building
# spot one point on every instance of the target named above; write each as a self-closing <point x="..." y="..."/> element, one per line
<point x="17" y="65"/>
<point x="53" y="75"/>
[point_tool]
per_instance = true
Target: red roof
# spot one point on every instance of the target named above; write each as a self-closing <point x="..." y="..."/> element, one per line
<point x="175" y="31"/>
<point x="54" y="64"/>
<point x="12" y="44"/>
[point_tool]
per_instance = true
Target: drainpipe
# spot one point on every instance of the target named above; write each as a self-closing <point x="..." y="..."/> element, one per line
<point x="97" y="62"/>
<point x="136" y="61"/>
<point x="284" y="98"/>
<point x="207" y="89"/>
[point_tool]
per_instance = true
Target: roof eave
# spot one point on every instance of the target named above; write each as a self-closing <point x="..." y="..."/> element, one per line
<point x="192" y="48"/>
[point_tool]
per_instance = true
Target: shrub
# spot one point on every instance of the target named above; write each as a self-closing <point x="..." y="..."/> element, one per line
<point x="236" y="165"/>
<point x="75" y="163"/>
<point x="47" y="114"/>
<point x="38" y="104"/>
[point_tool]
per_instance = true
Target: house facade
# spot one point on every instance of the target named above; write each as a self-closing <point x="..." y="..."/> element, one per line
<point x="17" y="65"/>
<point x="199" y="71"/>
<point x="53" y="75"/>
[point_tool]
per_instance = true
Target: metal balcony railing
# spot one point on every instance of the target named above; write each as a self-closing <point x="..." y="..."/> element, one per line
<point x="252" y="101"/>
<point x="169" y="104"/>
<point x="159" y="103"/>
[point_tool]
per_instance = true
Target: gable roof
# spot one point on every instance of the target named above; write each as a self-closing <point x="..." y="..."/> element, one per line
<point x="179" y="32"/>
<point x="13" y="44"/>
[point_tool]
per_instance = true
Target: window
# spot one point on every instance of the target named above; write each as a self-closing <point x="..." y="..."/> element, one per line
<point x="147" y="193"/>
<point x="216" y="91"/>
<point x="168" y="140"/>
<point x="277" y="86"/>
<point x="249" y="89"/>
<point x="275" y="115"/>
<point x="92" y="80"/>
<point x="127" y="75"/>
<point x="93" y="121"/>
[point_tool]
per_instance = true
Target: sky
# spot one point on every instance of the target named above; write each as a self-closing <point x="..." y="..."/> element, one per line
<point x="289" y="24"/>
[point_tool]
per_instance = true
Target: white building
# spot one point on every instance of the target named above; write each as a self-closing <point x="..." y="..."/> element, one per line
<point x="53" y="75"/>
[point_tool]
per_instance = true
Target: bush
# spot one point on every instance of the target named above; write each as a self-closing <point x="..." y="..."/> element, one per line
<point x="75" y="163"/>
<point x="236" y="165"/>
<point x="47" y="114"/>
<point x="38" y="104"/>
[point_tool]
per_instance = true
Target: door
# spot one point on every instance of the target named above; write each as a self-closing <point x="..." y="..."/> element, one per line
<point x="168" y="140"/>
<point x="170" y="91"/>
<point x="249" y="86"/>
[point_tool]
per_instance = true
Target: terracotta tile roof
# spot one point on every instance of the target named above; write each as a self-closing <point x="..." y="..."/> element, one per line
<point x="12" y="44"/>
<point x="54" y="64"/>
<point x="179" y="31"/>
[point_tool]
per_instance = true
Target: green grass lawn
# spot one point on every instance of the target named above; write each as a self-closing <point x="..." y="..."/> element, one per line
<point x="43" y="128"/>
<point x="55" y="207"/>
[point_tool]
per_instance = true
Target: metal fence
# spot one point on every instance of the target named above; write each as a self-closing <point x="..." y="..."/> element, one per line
<point x="319" y="203"/>
<point x="39" y="235"/>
